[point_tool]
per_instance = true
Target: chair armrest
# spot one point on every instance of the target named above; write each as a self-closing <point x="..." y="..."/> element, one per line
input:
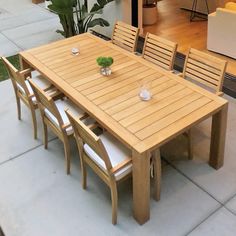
<point x="65" y="126"/>
<point x="220" y="94"/>
<point x="120" y="166"/>
<point x="25" y="72"/>
<point x="180" y="74"/>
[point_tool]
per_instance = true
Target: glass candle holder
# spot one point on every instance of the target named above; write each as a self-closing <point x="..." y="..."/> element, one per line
<point x="75" y="51"/>
<point x="145" y="90"/>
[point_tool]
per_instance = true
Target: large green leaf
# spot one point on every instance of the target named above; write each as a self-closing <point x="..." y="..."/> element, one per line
<point x="98" y="21"/>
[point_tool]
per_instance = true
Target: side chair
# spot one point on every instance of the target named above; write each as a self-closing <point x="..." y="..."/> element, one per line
<point x="107" y="157"/>
<point x="125" y="36"/>
<point x="23" y="90"/>
<point x="53" y="115"/>
<point x="208" y="72"/>
<point x="159" y="51"/>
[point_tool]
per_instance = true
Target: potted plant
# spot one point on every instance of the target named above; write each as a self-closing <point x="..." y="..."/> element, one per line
<point x="75" y="17"/>
<point x="105" y="63"/>
<point x="149" y="12"/>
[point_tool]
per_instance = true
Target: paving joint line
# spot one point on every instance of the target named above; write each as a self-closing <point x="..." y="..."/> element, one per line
<point x="222" y="204"/>
<point x="23" y="153"/>
<point x="29" y="23"/>
<point x="11" y="40"/>
<point x="212" y="213"/>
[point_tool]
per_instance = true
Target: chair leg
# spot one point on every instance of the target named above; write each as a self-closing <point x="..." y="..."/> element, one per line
<point x="157" y="174"/>
<point x="84" y="174"/>
<point x="18" y="108"/>
<point x="34" y="122"/>
<point x="45" y="135"/>
<point x="114" y="200"/>
<point x="190" y="145"/>
<point x="67" y="154"/>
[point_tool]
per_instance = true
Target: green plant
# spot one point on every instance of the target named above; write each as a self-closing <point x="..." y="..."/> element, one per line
<point x="3" y="72"/>
<point x="75" y="17"/>
<point x="105" y="61"/>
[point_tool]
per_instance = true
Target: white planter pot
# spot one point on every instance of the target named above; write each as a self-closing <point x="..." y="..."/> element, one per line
<point x="47" y="3"/>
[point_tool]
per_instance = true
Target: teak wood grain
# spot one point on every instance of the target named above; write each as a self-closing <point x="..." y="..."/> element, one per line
<point x="113" y="101"/>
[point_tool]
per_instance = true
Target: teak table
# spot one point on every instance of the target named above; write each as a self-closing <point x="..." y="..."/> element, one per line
<point x="113" y="101"/>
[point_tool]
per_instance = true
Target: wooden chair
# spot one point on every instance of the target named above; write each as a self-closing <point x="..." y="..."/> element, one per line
<point x="53" y="115"/>
<point x="207" y="71"/>
<point x="23" y="90"/>
<point x="159" y="51"/>
<point x="108" y="158"/>
<point x="125" y="36"/>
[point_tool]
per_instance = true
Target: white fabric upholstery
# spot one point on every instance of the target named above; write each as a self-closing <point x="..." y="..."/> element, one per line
<point x="117" y="153"/>
<point x="221" y="36"/>
<point x="61" y="106"/>
<point x="38" y="80"/>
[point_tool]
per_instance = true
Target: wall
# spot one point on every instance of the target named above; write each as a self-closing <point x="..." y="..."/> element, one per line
<point x="112" y="11"/>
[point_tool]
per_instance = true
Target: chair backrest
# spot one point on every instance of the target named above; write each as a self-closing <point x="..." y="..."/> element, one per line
<point x="16" y="78"/>
<point x="159" y="51"/>
<point x="84" y="135"/>
<point x="125" y="36"/>
<point x="46" y="102"/>
<point x="205" y="69"/>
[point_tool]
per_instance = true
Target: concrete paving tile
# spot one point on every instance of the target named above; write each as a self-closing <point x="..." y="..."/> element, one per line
<point x="35" y="34"/>
<point x="7" y="48"/>
<point x="16" y="136"/>
<point x="219" y="183"/>
<point x="40" y="199"/>
<point x="29" y="14"/>
<point x="231" y="205"/>
<point x="220" y="223"/>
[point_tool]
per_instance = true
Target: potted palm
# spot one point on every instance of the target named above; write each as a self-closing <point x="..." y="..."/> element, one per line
<point x="76" y="18"/>
<point x="149" y="12"/>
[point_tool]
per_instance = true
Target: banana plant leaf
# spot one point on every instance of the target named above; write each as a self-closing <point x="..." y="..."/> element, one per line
<point x="75" y="17"/>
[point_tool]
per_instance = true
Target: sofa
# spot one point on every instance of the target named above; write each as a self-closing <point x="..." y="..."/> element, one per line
<point x="221" y="35"/>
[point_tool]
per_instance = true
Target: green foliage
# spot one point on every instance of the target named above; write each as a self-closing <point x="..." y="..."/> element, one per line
<point x="105" y="61"/>
<point x="3" y="72"/>
<point x="75" y="17"/>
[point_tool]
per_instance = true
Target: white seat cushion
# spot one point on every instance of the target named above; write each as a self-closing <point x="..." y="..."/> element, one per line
<point x="62" y="105"/>
<point x="117" y="153"/>
<point x="38" y="80"/>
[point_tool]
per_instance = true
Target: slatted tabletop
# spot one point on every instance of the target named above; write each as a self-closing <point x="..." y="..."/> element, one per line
<point x="143" y="126"/>
<point x="176" y="104"/>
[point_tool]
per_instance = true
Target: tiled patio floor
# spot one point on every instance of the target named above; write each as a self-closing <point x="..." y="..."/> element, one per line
<point x="37" y="198"/>
<point x="25" y="25"/>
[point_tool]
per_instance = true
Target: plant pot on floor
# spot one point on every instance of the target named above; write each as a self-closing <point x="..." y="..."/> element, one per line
<point x="149" y="14"/>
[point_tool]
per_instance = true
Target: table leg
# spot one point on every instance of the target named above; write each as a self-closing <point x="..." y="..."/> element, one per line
<point x="218" y="134"/>
<point x="24" y="65"/>
<point x="157" y="174"/>
<point x="141" y="186"/>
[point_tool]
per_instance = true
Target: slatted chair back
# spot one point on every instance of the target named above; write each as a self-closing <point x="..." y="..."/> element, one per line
<point x="205" y="69"/>
<point x="159" y="51"/>
<point x="125" y="36"/>
<point x="84" y="135"/>
<point x="47" y="102"/>
<point x="17" y="80"/>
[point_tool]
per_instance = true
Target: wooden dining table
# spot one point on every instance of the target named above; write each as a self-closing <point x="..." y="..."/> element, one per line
<point x="143" y="126"/>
